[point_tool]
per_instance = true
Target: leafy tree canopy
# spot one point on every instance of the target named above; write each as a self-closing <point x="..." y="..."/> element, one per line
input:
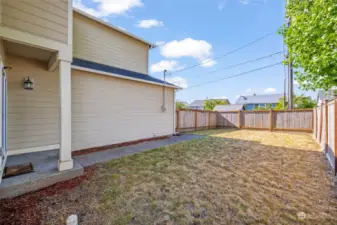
<point x="300" y="102"/>
<point x="211" y="103"/>
<point x="268" y="106"/>
<point x="181" y="105"/>
<point x="312" y="42"/>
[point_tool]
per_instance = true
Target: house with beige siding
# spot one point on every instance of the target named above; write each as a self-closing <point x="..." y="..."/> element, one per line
<point x="73" y="82"/>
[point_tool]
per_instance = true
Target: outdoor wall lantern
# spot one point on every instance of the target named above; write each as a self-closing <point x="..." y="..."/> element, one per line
<point x="28" y="84"/>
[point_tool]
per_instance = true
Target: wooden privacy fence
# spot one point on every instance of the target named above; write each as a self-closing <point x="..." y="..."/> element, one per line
<point x="281" y="120"/>
<point x="273" y="120"/>
<point x="325" y="130"/>
<point x="189" y="119"/>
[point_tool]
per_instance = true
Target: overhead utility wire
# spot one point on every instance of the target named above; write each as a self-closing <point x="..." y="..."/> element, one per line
<point x="226" y="54"/>
<point x="246" y="62"/>
<point x="239" y="64"/>
<point x="236" y="75"/>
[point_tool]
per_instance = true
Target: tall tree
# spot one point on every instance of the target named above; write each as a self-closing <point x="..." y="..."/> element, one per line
<point x="211" y="103"/>
<point x="312" y="42"/>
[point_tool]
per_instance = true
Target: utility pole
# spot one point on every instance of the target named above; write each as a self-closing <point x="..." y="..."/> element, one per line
<point x="284" y="65"/>
<point x="290" y="84"/>
<point x="290" y="76"/>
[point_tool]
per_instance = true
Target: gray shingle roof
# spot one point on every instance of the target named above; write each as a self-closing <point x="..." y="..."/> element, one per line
<point x="119" y="71"/>
<point x="225" y="108"/>
<point x="200" y="103"/>
<point x="259" y="99"/>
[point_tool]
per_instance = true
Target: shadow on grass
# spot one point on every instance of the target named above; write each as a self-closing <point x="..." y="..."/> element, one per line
<point x="231" y="177"/>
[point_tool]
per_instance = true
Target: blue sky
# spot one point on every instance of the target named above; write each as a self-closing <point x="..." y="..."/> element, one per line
<point x="198" y="31"/>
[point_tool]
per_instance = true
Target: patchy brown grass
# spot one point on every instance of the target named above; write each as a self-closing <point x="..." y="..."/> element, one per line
<point x="228" y="177"/>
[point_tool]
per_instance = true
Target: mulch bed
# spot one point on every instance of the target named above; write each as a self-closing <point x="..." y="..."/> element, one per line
<point x="24" y="209"/>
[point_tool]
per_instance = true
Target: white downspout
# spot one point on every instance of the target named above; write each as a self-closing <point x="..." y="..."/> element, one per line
<point x="174" y="112"/>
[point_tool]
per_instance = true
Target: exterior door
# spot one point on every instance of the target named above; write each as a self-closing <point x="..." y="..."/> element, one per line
<point x="3" y="153"/>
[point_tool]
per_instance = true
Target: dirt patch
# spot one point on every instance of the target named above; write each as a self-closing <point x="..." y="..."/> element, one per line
<point x="228" y="177"/>
<point x="26" y="210"/>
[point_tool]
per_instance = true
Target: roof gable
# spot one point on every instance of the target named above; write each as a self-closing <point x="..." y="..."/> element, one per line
<point x="259" y="99"/>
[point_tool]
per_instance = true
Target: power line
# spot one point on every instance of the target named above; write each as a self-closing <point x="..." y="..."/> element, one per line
<point x="226" y="54"/>
<point x="242" y="63"/>
<point x="236" y="75"/>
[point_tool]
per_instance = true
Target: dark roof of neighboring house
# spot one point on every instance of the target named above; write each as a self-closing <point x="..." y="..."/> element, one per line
<point x="200" y="103"/>
<point x="259" y="99"/>
<point x="118" y="71"/>
<point x="225" y="108"/>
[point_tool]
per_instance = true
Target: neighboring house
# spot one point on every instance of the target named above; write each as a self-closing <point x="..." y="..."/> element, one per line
<point x="200" y="104"/>
<point x="227" y="108"/>
<point x="325" y="96"/>
<point x="90" y="81"/>
<point x="252" y="101"/>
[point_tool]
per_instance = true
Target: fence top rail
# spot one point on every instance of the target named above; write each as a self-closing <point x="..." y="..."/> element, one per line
<point x="252" y="111"/>
<point x="293" y="110"/>
<point x="196" y="110"/>
<point x="233" y="111"/>
<point x="332" y="102"/>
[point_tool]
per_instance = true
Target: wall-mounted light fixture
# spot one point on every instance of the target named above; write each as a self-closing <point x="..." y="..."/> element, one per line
<point x="28" y="84"/>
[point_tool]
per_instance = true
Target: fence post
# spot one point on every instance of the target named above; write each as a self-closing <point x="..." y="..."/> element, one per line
<point x="326" y="126"/>
<point x="209" y="119"/>
<point x="239" y="119"/>
<point x="178" y="120"/>
<point x="335" y="147"/>
<point x="271" y="120"/>
<point x="315" y="114"/>
<point x="195" y="119"/>
<point x="216" y="119"/>
<point x="321" y="124"/>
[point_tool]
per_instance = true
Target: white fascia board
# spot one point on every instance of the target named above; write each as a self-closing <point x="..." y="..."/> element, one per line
<point x="120" y="76"/>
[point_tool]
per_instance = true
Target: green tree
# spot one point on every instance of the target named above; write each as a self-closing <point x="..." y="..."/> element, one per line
<point x="267" y="107"/>
<point x="312" y="42"/>
<point x="181" y="105"/>
<point x="300" y="102"/>
<point x="211" y="103"/>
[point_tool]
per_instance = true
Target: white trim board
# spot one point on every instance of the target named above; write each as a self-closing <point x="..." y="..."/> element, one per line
<point x="120" y="76"/>
<point x="33" y="149"/>
<point x="64" y="50"/>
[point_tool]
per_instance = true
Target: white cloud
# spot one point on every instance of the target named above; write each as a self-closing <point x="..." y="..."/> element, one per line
<point x="249" y="90"/>
<point x="245" y="2"/>
<point x="270" y="90"/>
<point x="198" y="49"/>
<point x="169" y="65"/>
<point x="122" y="28"/>
<point x="160" y="43"/>
<point x="208" y="63"/>
<point x="179" y="81"/>
<point x="108" y="7"/>
<point x="221" y="5"/>
<point x="149" y="23"/>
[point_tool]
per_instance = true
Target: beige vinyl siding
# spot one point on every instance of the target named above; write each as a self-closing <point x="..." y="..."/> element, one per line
<point x="33" y="115"/>
<point x="46" y="18"/>
<point x="108" y="110"/>
<point x="98" y="43"/>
